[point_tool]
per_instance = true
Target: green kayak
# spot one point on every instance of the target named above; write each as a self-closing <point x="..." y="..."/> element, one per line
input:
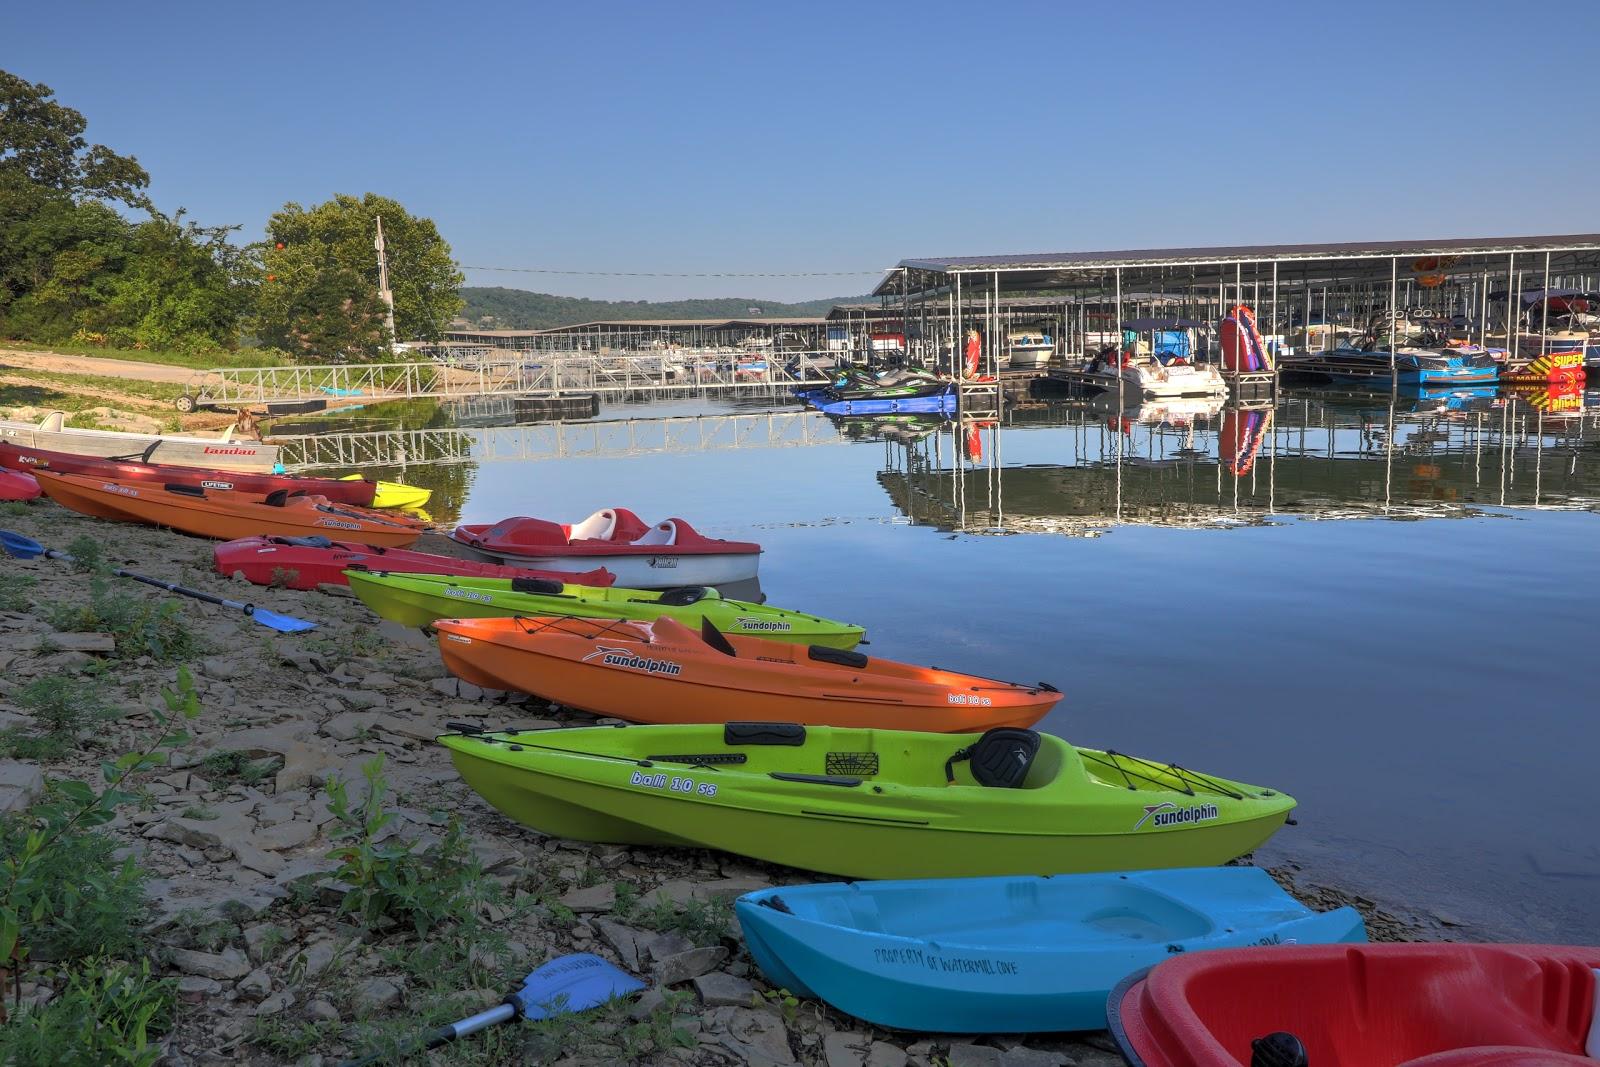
<point x="420" y="599"/>
<point x="869" y="803"/>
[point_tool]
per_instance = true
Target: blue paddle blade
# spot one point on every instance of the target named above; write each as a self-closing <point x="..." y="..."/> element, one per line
<point x="570" y="984"/>
<point x="19" y="547"/>
<point x="282" y="623"/>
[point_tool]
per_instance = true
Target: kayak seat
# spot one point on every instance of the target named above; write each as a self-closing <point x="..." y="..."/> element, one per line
<point x="309" y="541"/>
<point x="277" y="498"/>
<point x="713" y="637"/>
<point x="662" y="533"/>
<point x="763" y="733"/>
<point x="543" y="586"/>
<point x="1001" y="758"/>
<point x="597" y="527"/>
<point x="684" y="596"/>
<point x="843" y="657"/>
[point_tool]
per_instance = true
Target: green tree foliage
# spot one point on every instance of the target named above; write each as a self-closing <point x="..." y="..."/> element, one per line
<point x="519" y="309"/>
<point x="319" y="294"/>
<point x="72" y="266"/>
<point x="42" y="145"/>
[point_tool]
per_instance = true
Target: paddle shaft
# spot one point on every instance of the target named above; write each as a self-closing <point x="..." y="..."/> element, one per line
<point x="171" y="587"/>
<point x="445" y="1034"/>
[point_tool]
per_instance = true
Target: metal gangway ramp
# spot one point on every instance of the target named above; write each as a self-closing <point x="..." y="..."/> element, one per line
<point x="502" y="373"/>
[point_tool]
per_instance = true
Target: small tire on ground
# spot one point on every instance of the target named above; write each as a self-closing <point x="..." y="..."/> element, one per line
<point x="185" y="403"/>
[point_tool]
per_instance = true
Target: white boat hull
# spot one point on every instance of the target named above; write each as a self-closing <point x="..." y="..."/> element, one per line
<point x="1029" y="358"/>
<point x="647" y="571"/>
<point x="1187" y="380"/>
<point x="213" y="452"/>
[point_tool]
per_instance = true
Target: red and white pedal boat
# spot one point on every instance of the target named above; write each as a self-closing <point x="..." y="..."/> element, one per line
<point x="664" y="556"/>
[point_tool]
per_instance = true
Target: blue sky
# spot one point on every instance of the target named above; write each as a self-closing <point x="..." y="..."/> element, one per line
<point x="841" y="137"/>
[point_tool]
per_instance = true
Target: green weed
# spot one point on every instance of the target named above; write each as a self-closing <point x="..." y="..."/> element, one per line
<point x="286" y="1039"/>
<point x="108" y="1013"/>
<point x="62" y="706"/>
<point x="705" y="922"/>
<point x="140" y="625"/>
<point x="231" y="765"/>
<point x="82" y="900"/>
<point x="14" y="591"/>
<point x="393" y="879"/>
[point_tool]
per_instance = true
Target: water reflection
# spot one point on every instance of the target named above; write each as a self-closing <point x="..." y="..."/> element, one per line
<point x="1317" y="454"/>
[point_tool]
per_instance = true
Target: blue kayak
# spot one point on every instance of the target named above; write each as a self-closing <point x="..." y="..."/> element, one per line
<point x="1013" y="954"/>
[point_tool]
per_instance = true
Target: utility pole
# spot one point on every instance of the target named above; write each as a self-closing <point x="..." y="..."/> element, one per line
<point x="383" y="285"/>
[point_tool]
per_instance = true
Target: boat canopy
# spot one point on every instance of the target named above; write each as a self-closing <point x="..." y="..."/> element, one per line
<point x="1533" y="296"/>
<point x="1141" y="325"/>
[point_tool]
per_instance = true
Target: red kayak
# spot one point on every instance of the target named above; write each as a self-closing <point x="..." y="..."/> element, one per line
<point x="1384" y="1005"/>
<point x="18" y="485"/>
<point x="338" y="491"/>
<point x="315" y="561"/>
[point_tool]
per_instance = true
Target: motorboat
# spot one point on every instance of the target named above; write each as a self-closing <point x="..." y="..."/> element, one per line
<point x="223" y="453"/>
<point x="1029" y="349"/>
<point x="1156" y="360"/>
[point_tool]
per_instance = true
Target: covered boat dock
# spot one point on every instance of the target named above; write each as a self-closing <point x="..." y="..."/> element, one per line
<point x="1300" y="293"/>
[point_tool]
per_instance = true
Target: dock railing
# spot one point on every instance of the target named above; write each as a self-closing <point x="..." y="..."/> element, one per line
<point x="501" y="372"/>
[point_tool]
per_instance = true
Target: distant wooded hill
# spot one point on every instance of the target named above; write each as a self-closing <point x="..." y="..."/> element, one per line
<point x="518" y="309"/>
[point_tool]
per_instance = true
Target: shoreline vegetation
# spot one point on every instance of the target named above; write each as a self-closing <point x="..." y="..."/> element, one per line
<point x="304" y="876"/>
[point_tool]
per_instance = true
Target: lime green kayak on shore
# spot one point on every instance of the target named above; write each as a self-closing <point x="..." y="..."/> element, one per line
<point x="420" y="599"/>
<point x="868" y="803"/>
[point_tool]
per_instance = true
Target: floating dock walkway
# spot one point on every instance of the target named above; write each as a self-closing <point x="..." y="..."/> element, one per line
<point x="511" y="374"/>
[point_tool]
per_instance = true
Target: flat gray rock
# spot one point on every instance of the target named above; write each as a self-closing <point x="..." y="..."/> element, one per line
<point x="721" y="989"/>
<point x="20" y="784"/>
<point x="686" y="965"/>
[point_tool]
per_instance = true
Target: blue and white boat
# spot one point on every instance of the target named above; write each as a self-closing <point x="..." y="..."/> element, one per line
<point x="1468" y="365"/>
<point x="1013" y="954"/>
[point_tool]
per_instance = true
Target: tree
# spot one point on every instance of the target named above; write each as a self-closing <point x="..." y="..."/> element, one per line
<point x="319" y="291"/>
<point x="42" y="145"/>
<point x="184" y="286"/>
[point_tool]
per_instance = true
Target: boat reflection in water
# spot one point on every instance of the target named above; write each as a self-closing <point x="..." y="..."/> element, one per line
<point x="1315" y="454"/>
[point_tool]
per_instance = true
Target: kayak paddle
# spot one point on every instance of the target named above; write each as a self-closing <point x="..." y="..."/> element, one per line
<point x="564" y="985"/>
<point x="20" y="547"/>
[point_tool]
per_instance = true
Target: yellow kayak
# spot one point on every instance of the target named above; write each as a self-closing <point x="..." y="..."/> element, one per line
<point x="395" y="494"/>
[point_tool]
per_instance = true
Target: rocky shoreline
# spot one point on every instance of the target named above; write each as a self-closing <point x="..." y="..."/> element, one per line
<point x="271" y="965"/>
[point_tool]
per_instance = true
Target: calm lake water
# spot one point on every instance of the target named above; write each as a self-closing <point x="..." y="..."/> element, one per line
<point x="1371" y="615"/>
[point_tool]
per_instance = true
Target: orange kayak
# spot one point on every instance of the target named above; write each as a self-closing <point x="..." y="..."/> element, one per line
<point x="225" y="514"/>
<point x="664" y="672"/>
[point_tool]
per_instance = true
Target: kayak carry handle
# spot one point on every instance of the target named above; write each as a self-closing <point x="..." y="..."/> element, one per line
<point x="763" y="733"/>
<point x="546" y="586"/>
<point x="463" y="728"/>
<point x="815" y="779"/>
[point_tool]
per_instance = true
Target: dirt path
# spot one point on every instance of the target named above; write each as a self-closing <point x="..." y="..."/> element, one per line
<point x="109" y="368"/>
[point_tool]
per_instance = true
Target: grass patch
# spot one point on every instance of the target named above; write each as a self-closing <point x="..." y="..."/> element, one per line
<point x="140" y="625"/>
<point x="14" y="590"/>
<point x="156" y="392"/>
<point x="63" y="706"/>
<point x="231" y="765"/>
<point x="244" y="357"/>
<point x="705" y="922"/>
<point x="287" y="1039"/>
